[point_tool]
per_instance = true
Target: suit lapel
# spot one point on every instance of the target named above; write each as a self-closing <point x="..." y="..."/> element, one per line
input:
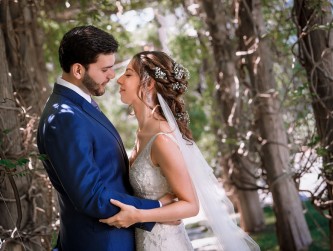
<point x="102" y="119"/>
<point x="91" y="111"/>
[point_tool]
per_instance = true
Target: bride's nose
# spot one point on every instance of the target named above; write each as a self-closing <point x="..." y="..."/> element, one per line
<point x="119" y="80"/>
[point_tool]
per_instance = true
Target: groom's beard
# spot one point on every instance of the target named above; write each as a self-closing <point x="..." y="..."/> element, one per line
<point x="94" y="88"/>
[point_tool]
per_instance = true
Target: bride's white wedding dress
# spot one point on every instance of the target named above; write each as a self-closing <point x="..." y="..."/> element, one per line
<point x="148" y="182"/>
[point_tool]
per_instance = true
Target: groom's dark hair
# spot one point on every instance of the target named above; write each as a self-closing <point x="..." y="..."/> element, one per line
<point x="83" y="45"/>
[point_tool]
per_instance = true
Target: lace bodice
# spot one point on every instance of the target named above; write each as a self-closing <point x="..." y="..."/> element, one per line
<point x="148" y="182"/>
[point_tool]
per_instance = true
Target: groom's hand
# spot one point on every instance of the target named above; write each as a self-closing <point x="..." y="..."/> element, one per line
<point x="127" y="216"/>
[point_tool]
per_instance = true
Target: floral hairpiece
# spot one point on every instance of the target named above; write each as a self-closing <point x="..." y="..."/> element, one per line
<point x="182" y="116"/>
<point x="177" y="86"/>
<point x="181" y="71"/>
<point x="159" y="73"/>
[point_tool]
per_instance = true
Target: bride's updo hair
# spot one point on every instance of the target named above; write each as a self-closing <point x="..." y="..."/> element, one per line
<point x="171" y="82"/>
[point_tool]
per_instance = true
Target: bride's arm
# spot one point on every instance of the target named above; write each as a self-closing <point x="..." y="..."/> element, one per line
<point x="166" y="154"/>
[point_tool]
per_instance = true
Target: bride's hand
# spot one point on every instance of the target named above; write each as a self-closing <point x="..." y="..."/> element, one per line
<point x="127" y="216"/>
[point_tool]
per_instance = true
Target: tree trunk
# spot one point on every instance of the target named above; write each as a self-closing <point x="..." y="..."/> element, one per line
<point x="315" y="54"/>
<point x="228" y="100"/>
<point x="252" y="220"/>
<point x="25" y="198"/>
<point x="292" y="230"/>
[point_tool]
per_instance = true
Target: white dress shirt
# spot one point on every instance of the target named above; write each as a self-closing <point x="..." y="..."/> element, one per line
<point x="69" y="85"/>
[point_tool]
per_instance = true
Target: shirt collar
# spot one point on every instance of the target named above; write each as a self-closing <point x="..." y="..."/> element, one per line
<point x="73" y="87"/>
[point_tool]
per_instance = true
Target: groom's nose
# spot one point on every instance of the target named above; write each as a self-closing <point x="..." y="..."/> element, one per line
<point x="111" y="73"/>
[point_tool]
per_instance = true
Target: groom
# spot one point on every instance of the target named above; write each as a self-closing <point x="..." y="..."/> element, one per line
<point x="86" y="160"/>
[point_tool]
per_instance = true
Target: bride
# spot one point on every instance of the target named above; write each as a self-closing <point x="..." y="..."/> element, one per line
<point x="165" y="160"/>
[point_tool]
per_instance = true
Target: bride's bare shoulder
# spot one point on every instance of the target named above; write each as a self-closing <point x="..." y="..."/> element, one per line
<point x="164" y="143"/>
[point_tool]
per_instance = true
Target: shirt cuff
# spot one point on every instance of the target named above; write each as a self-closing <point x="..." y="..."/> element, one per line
<point x="160" y="203"/>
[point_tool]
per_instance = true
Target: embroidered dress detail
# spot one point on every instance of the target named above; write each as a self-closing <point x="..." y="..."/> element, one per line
<point x="148" y="182"/>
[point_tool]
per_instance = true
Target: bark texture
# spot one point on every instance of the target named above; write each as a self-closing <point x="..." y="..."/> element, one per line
<point x="25" y="198"/>
<point x="228" y="99"/>
<point x="312" y="19"/>
<point x="292" y="229"/>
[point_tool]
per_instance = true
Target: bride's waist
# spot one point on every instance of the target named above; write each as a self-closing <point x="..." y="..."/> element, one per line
<point x="150" y="196"/>
<point x="167" y="228"/>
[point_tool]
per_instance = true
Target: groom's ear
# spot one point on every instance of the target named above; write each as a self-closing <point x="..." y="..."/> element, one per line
<point x="78" y="71"/>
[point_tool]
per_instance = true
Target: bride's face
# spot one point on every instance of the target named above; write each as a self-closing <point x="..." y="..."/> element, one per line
<point x="129" y="84"/>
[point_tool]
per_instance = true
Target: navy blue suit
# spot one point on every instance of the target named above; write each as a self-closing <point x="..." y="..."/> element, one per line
<point x="87" y="164"/>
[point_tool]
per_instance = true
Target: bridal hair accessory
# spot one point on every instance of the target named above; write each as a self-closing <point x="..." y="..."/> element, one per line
<point x="159" y="73"/>
<point x="182" y="116"/>
<point x="178" y="86"/>
<point x="181" y="71"/>
<point x="217" y="207"/>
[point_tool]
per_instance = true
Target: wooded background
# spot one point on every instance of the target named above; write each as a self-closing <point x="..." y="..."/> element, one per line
<point x="260" y="101"/>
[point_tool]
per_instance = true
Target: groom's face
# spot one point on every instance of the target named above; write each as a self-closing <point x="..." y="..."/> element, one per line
<point x="99" y="74"/>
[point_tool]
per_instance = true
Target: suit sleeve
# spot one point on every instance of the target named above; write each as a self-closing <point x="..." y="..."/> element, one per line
<point x="70" y="152"/>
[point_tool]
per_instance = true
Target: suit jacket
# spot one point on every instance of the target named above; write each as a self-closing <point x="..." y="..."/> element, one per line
<point x="87" y="164"/>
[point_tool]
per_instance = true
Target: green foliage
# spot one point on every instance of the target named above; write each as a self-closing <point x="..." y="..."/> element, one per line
<point x="327" y="169"/>
<point x="314" y="141"/>
<point x="300" y="92"/>
<point x="193" y="53"/>
<point x="134" y="42"/>
<point x="54" y="239"/>
<point x="8" y="163"/>
<point x="83" y="12"/>
<point x="266" y="239"/>
<point x="318" y="226"/>
<point x="184" y="47"/>
<point x="41" y="156"/>
<point x="198" y="115"/>
<point x="18" y="167"/>
<point x="6" y="131"/>
<point x="321" y="151"/>
<point x="317" y="5"/>
<point x="14" y="165"/>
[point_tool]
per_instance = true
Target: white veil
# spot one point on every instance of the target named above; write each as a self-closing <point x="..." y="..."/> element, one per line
<point x="215" y="204"/>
